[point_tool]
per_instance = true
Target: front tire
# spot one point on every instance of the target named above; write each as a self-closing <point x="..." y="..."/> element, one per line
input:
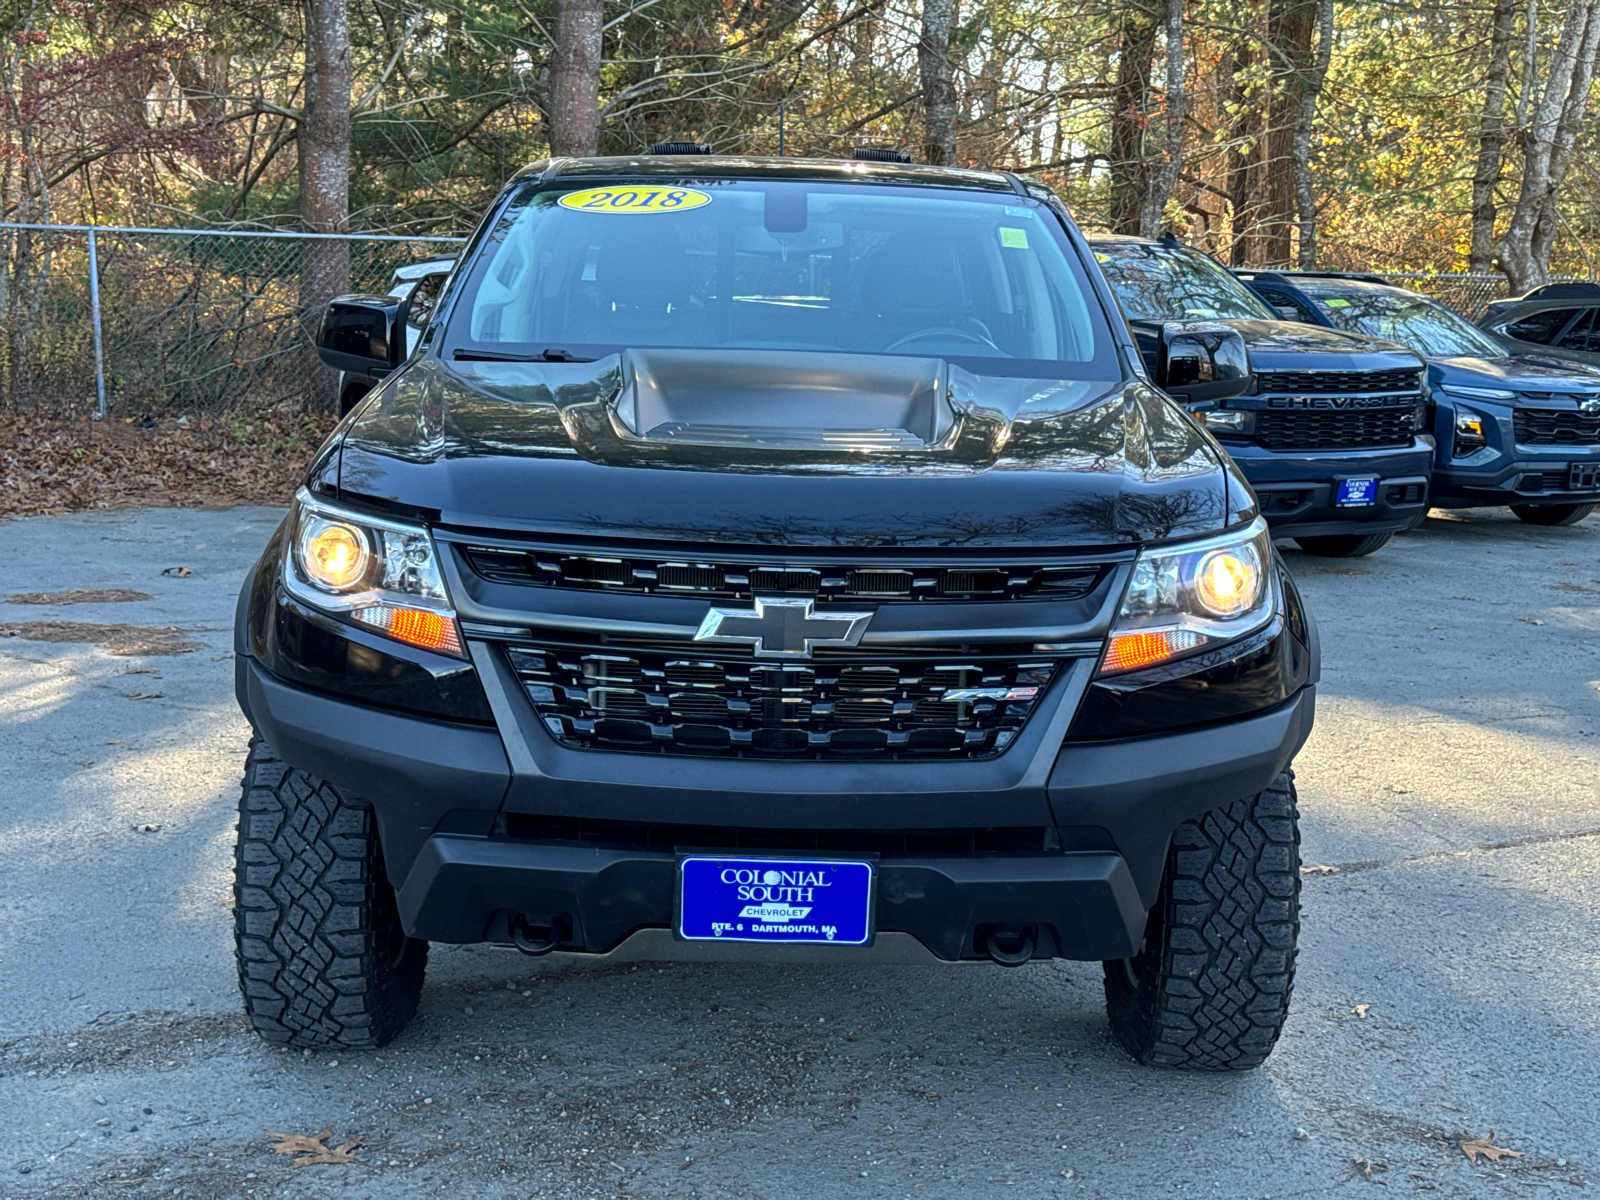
<point x="1344" y="545"/>
<point x="1210" y="987"/>
<point x="1551" y="514"/>
<point x="323" y="960"/>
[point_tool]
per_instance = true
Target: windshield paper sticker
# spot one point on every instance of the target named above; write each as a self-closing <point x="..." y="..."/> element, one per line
<point x="1337" y="303"/>
<point x="634" y="201"/>
<point x="1013" y="239"/>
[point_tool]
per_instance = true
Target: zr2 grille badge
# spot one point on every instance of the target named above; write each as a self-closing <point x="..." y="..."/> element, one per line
<point x="782" y="628"/>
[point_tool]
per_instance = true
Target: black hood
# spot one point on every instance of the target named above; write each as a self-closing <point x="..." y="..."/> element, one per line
<point x="1515" y="373"/>
<point x="640" y="445"/>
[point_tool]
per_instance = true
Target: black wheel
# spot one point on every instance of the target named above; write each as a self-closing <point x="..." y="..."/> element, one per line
<point x="323" y="960"/>
<point x="1552" y="514"/>
<point x="1344" y="545"/>
<point x="1210" y="987"/>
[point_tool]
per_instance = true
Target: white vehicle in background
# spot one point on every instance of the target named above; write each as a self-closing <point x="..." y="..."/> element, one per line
<point x="420" y="281"/>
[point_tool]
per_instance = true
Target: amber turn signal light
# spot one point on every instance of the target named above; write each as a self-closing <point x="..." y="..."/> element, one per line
<point x="416" y="626"/>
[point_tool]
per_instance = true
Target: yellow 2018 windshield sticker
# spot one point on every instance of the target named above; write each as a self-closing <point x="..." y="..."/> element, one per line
<point x="635" y="200"/>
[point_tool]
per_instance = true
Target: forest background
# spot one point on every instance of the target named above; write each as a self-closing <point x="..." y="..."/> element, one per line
<point x="1397" y="135"/>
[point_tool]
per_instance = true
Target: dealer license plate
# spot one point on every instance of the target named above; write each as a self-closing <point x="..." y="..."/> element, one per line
<point x="775" y="900"/>
<point x="1357" y="493"/>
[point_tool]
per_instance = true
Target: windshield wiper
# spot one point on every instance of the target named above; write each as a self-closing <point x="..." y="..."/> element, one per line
<point x="550" y="355"/>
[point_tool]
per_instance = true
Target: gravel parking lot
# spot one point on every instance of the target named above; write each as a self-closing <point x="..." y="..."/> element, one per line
<point x="1449" y="978"/>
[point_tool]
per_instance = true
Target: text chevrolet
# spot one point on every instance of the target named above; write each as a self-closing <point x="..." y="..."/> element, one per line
<point x="775" y="560"/>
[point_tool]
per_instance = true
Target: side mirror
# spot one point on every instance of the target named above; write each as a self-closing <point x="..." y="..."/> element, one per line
<point x="363" y="335"/>
<point x="1203" y="362"/>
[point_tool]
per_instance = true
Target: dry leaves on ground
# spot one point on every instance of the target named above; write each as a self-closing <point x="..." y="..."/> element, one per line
<point x="54" y="465"/>
<point x="1318" y="869"/>
<point x="315" y="1148"/>
<point x="1360" y="1010"/>
<point x="79" y="596"/>
<point x="177" y="572"/>
<point x="1487" y="1148"/>
<point x="1365" y="1167"/>
<point x="118" y="639"/>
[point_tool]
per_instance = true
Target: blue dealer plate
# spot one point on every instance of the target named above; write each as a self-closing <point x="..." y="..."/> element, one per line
<point x="1357" y="493"/>
<point x="775" y="900"/>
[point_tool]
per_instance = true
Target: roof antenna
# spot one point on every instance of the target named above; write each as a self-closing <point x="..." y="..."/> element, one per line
<point x="1169" y="241"/>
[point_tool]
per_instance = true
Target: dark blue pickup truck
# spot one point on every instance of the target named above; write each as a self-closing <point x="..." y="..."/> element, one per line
<point x="1332" y="434"/>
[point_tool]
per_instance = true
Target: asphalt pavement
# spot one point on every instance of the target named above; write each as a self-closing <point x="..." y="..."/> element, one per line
<point x="1449" y="980"/>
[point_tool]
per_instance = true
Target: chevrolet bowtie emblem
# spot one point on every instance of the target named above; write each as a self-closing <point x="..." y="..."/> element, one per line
<point x="783" y="628"/>
<point x="1592" y="405"/>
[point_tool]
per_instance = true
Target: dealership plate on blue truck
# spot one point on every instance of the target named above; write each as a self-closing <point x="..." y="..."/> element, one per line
<point x="782" y="900"/>
<point x="1357" y="493"/>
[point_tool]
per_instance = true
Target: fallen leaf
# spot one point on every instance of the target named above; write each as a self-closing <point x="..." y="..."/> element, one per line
<point x="1530" y="620"/>
<point x="147" y="829"/>
<point x="143" y="671"/>
<point x="177" y="572"/>
<point x="144" y="695"/>
<point x="1463" y="597"/>
<point x="314" y="1148"/>
<point x="1487" y="1148"/>
<point x="1365" y="1167"/>
<point x="1316" y="869"/>
<point x="1360" y="1010"/>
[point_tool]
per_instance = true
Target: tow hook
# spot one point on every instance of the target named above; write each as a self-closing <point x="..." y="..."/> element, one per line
<point x="1010" y="945"/>
<point x="539" y="937"/>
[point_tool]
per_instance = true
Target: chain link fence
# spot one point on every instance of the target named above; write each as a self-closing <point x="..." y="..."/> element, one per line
<point x="186" y="320"/>
<point x="210" y="320"/>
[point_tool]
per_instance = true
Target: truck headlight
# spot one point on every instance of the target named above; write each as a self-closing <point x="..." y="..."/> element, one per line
<point x="1469" y="434"/>
<point x="1184" y="599"/>
<point x="375" y="572"/>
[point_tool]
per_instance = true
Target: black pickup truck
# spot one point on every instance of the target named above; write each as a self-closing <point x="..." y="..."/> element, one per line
<point x="774" y="560"/>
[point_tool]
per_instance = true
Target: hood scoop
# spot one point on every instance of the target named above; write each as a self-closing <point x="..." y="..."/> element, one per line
<point x="785" y="400"/>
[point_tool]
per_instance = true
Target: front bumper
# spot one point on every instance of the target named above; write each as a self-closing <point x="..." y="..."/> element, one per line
<point x="1297" y="490"/>
<point x="450" y="798"/>
<point x="1527" y="477"/>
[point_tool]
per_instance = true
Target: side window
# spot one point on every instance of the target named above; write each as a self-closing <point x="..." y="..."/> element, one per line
<point x="1541" y="327"/>
<point x="1291" y="308"/>
<point x="423" y="298"/>
<point x="1581" y="334"/>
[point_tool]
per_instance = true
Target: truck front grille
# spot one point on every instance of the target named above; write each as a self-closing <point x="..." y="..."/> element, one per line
<point x="1335" y="383"/>
<point x="1555" y="427"/>
<point x="1338" y="429"/>
<point x="671" y="699"/>
<point x="742" y="579"/>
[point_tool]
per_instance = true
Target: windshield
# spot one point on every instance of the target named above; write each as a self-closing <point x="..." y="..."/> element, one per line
<point x="1172" y="283"/>
<point x="779" y="265"/>
<point x="1429" y="328"/>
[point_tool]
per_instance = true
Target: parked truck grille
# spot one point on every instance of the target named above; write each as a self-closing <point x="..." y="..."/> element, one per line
<point x="1335" y="383"/>
<point x="844" y="704"/>
<point x="1337" y="429"/>
<point x="663" y="835"/>
<point x="1555" y="427"/>
<point x="735" y="579"/>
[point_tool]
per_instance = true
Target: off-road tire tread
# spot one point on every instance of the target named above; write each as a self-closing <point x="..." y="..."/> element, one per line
<point x="1551" y="516"/>
<point x="314" y="914"/>
<point x="1217" y="970"/>
<point x="1344" y="545"/>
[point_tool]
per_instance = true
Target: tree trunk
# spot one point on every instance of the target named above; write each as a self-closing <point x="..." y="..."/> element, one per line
<point x="1166" y="178"/>
<point x="1305" y="196"/>
<point x="1547" y="147"/>
<point x="1491" y="139"/>
<point x="938" y="82"/>
<point x="575" y="79"/>
<point x="324" y="145"/>
<point x="1245" y="159"/>
<point x="1130" y="116"/>
<point x="1290" y="24"/>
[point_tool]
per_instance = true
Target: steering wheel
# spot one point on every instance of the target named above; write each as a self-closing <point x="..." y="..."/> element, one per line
<point x="942" y="331"/>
